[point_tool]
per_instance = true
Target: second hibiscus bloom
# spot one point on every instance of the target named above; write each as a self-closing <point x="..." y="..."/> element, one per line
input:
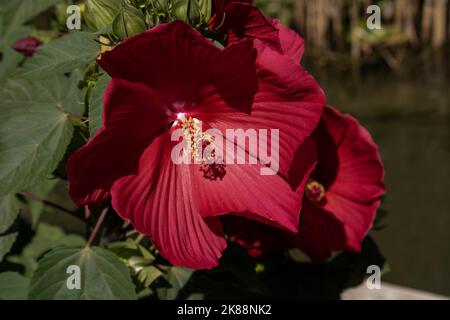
<point x="341" y="197"/>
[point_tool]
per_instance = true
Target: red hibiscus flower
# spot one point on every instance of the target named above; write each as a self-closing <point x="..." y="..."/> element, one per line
<point x="341" y="197"/>
<point x="170" y="78"/>
<point x="27" y="46"/>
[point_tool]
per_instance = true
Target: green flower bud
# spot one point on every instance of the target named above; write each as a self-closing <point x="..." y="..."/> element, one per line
<point x="100" y="13"/>
<point x="194" y="12"/>
<point x="205" y="9"/>
<point x="140" y="3"/>
<point x="129" y="22"/>
<point x="158" y="12"/>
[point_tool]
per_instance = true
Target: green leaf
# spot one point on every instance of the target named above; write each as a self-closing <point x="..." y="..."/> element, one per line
<point x="103" y="276"/>
<point x="129" y="248"/>
<point x="96" y="104"/>
<point x="74" y="100"/>
<point x="138" y="259"/>
<point x="196" y="297"/>
<point x="6" y="242"/>
<point x="34" y="132"/>
<point x="28" y="263"/>
<point x="60" y="56"/>
<point x="79" y="139"/>
<point x="9" y="209"/>
<point x="145" y="293"/>
<point x="41" y="190"/>
<point x="177" y="277"/>
<point x="47" y="237"/>
<point x="15" y="13"/>
<point x="148" y="275"/>
<point x="13" y="286"/>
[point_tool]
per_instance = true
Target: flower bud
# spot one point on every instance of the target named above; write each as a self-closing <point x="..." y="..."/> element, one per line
<point x="129" y="22"/>
<point x="158" y="12"/>
<point x="27" y="46"/>
<point x="140" y="3"/>
<point x="194" y="12"/>
<point x="161" y="5"/>
<point x="101" y="13"/>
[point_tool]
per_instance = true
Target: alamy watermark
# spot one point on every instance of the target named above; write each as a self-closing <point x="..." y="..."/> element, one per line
<point x="73" y="281"/>
<point x="215" y="147"/>
<point x="73" y="21"/>
<point x="374" y="20"/>
<point x="373" y="282"/>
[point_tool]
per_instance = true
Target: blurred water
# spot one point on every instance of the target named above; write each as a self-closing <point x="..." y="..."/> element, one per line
<point x="416" y="154"/>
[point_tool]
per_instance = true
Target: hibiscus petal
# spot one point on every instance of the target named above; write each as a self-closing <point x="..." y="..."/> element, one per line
<point x="235" y="75"/>
<point x="172" y="57"/>
<point x="357" y="219"/>
<point x="291" y="43"/>
<point x="259" y="239"/>
<point x="159" y="202"/>
<point x="176" y="60"/>
<point x="243" y="191"/>
<point x="353" y="194"/>
<point x="358" y="170"/>
<point x="305" y="161"/>
<point x="296" y="107"/>
<point x="133" y="115"/>
<point x="289" y="100"/>
<point x="320" y="232"/>
<point x="361" y="172"/>
<point x="244" y="20"/>
<point x="219" y="11"/>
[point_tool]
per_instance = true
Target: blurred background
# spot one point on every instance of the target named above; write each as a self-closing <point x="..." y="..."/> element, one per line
<point x="396" y="81"/>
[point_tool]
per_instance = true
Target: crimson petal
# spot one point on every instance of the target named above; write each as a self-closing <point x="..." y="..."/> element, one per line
<point x="291" y="43"/>
<point x="244" y="20"/>
<point x="133" y="115"/>
<point x="176" y="60"/>
<point x="288" y="99"/>
<point x="160" y="203"/>
<point x="354" y="193"/>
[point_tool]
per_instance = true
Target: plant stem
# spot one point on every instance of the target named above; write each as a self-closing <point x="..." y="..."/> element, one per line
<point x="97" y="227"/>
<point x="33" y="197"/>
<point x="139" y="238"/>
<point x="87" y="213"/>
<point x="75" y="117"/>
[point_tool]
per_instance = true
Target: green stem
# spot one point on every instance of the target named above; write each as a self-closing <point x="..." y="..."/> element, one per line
<point x="97" y="227"/>
<point x="33" y="197"/>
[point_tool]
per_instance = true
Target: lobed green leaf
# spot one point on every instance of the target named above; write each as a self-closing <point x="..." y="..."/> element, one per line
<point x="9" y="209"/>
<point x="34" y="132"/>
<point x="13" y="286"/>
<point x="103" y="276"/>
<point x="60" y="56"/>
<point x="6" y="242"/>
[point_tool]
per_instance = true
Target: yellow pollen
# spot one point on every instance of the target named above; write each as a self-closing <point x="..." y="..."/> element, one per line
<point x="194" y="136"/>
<point x="315" y="191"/>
